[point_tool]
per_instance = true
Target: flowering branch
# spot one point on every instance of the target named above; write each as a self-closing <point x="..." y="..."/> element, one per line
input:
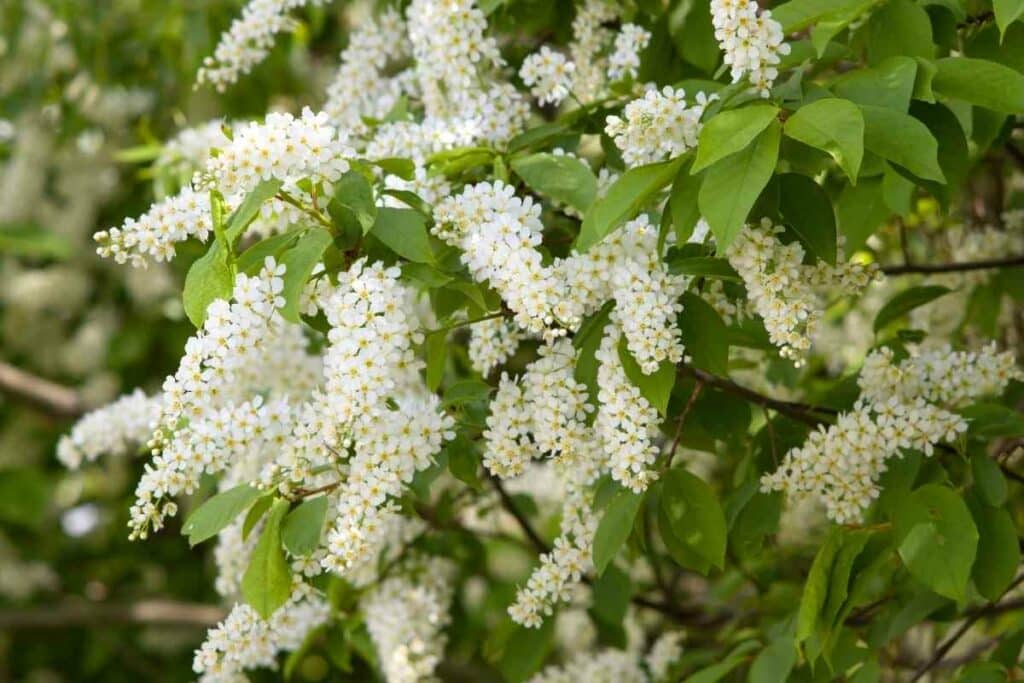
<point x="50" y="396"/>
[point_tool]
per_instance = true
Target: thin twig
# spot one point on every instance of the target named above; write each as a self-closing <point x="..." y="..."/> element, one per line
<point x="682" y="419"/>
<point x="50" y="396"/>
<point x="802" y="412"/>
<point x="524" y="524"/>
<point x="976" y="616"/>
<point x="907" y="268"/>
<point x="93" y="615"/>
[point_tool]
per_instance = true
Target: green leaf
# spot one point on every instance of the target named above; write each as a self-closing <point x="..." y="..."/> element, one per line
<point x="1007" y="12"/>
<point x="983" y="672"/>
<point x="860" y="211"/>
<point x="812" y="602"/>
<point x="247" y="211"/>
<point x="830" y="26"/>
<point x="731" y="131"/>
<point x="993" y="420"/>
<point x="267" y="582"/>
<point x="403" y="168"/>
<point x="610" y="596"/>
<point x="587" y="340"/>
<point x="988" y="479"/>
<point x="775" y="662"/>
<point x="703" y="266"/>
<point x="255" y="514"/>
<point x="807" y="210"/>
<point x="614" y="528"/>
<point x="851" y="546"/>
<point x="903" y="140"/>
<point x="796" y="15"/>
<point x="889" y="85"/>
<point x="906" y="301"/>
<point x="655" y="387"/>
<point x="464" y="460"/>
<point x="998" y="551"/>
<point x="525" y="651"/>
<point x="695" y="515"/>
<point x="352" y="205"/>
<point x="682" y="203"/>
<point x="404" y="232"/>
<point x="704" y="335"/>
<point x="899" y="27"/>
<point x="981" y="82"/>
<point x="732" y="186"/>
<point x="299" y="262"/>
<point x="437" y="356"/>
<point x="303" y="526"/>
<point x="625" y="198"/>
<point x="716" y="672"/>
<point x="252" y="259"/>
<point x="217" y="512"/>
<point x="834" y="126"/>
<point x="937" y="539"/>
<point x="562" y="178"/>
<point x="466" y="391"/>
<point x="208" y="279"/>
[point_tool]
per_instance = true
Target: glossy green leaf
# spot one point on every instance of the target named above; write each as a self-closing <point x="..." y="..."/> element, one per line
<point x="404" y="232"/>
<point x="1007" y="12"/>
<point x="903" y="140"/>
<point x="988" y="479"/>
<point x="614" y="528"/>
<point x="981" y="82"/>
<point x="998" y="551"/>
<point x="217" y="512"/>
<point x="889" y="84"/>
<point x="562" y="178"/>
<point x="816" y="587"/>
<point x="807" y="210"/>
<point x="250" y="207"/>
<point x="732" y="186"/>
<point x="993" y="420"/>
<point x="695" y="515"/>
<point x="303" y="526"/>
<point x="906" y="301"/>
<point x="299" y="262"/>
<point x="834" y="126"/>
<point x="703" y="266"/>
<point x="352" y="206"/>
<point x="683" y="203"/>
<point x="937" y="539"/>
<point x="899" y="27"/>
<point x="624" y="200"/>
<point x="704" y="335"/>
<point x="730" y="131"/>
<point x="208" y="279"/>
<point x="656" y="387"/>
<point x="267" y="582"/>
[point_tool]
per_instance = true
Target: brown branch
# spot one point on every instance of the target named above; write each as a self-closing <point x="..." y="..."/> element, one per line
<point x="697" y="388"/>
<point x="802" y="412"/>
<point x="977" y="615"/>
<point x="42" y="393"/>
<point x="960" y="267"/>
<point x="74" y="614"/>
<point x="524" y="523"/>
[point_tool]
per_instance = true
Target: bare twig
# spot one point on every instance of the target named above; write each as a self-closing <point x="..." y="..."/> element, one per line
<point x="84" y="614"/>
<point x="907" y="268"/>
<point x="50" y="396"/>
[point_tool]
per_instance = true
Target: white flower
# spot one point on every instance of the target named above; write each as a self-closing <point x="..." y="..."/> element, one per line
<point x="548" y="74"/>
<point x="629" y="43"/>
<point x="658" y="125"/>
<point x="751" y="40"/>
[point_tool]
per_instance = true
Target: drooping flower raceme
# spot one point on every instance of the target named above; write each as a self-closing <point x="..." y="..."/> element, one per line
<point x="248" y="41"/>
<point x="607" y="666"/>
<point x="625" y="59"/>
<point x="548" y="74"/>
<point x="902" y="406"/>
<point x="658" y="125"/>
<point x="491" y="343"/>
<point x="284" y="147"/>
<point x="783" y="290"/>
<point x="752" y="42"/>
<point x="110" y="430"/>
<point x="406" y="617"/>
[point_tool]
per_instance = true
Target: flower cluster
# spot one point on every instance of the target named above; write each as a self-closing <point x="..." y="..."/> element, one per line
<point x="508" y="447"/>
<point x="606" y="666"/>
<point x="498" y="233"/>
<point x="626" y="422"/>
<point x="248" y="40"/>
<point x="664" y="653"/>
<point x="783" y="290"/>
<point x="283" y="146"/>
<point x="361" y="87"/>
<point x="902" y="406"/>
<point x="625" y="59"/>
<point x="110" y="430"/>
<point x="751" y="41"/>
<point x="213" y="411"/>
<point x="406" y="617"/>
<point x="548" y="74"/>
<point x="658" y="125"/>
<point x="491" y="343"/>
<point x="246" y="641"/>
<point x="590" y="39"/>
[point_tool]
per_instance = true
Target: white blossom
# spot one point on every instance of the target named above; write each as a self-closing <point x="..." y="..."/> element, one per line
<point x="658" y="125"/>
<point x="751" y="41"/>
